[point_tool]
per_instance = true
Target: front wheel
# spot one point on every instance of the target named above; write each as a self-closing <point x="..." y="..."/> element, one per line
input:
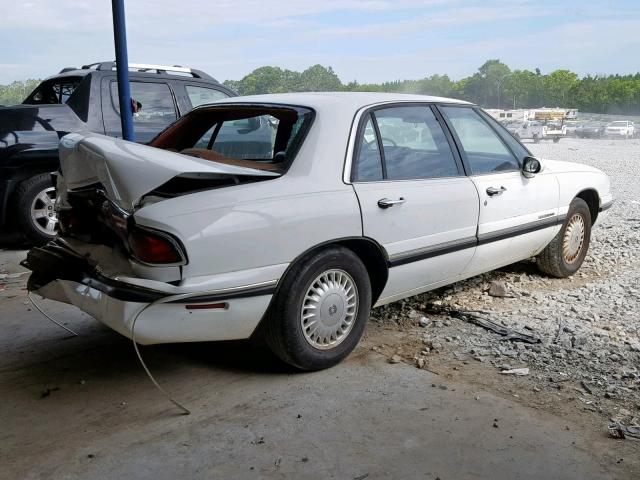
<point x="536" y="138"/>
<point x="556" y="139"/>
<point x="565" y="254"/>
<point x="320" y="310"/>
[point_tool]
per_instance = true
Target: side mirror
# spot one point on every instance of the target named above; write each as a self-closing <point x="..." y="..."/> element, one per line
<point x="531" y="166"/>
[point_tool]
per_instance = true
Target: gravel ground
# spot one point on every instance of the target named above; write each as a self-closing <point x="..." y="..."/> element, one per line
<point x="588" y="325"/>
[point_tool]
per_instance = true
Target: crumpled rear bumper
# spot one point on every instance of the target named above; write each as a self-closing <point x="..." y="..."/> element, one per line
<point x="61" y="274"/>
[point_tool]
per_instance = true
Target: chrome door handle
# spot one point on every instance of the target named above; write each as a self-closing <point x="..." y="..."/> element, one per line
<point x="387" y="202"/>
<point x="493" y="191"/>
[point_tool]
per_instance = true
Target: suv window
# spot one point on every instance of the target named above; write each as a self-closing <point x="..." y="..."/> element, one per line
<point x="483" y="148"/>
<point x="414" y="146"/>
<point x="152" y="104"/>
<point x="201" y="95"/>
<point x="53" y="91"/>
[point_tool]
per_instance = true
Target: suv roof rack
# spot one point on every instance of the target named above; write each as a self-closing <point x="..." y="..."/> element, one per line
<point x="150" y="68"/>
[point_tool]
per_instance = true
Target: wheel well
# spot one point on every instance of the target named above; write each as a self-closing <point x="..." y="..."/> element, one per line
<point x="368" y="251"/>
<point x="592" y="199"/>
<point x="374" y="260"/>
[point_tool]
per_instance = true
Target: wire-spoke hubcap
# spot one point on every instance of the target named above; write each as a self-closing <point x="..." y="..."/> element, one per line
<point x="573" y="238"/>
<point x="329" y="309"/>
<point x="43" y="213"/>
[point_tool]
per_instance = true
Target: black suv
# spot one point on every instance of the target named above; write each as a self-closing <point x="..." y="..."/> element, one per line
<point x="83" y="99"/>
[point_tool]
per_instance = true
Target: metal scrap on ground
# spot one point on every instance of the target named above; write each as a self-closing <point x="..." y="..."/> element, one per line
<point x="622" y="431"/>
<point x="472" y="316"/>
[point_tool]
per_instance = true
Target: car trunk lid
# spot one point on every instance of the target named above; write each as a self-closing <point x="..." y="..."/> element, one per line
<point x="128" y="171"/>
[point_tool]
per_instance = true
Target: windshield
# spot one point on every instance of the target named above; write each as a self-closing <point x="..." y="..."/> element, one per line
<point x="255" y="136"/>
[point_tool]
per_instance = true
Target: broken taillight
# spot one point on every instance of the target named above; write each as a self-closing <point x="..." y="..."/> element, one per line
<point x="149" y="246"/>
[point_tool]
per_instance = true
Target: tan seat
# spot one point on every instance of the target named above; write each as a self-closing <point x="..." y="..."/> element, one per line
<point x="217" y="157"/>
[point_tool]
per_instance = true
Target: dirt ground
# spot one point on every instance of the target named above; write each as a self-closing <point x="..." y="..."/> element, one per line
<point x="82" y="407"/>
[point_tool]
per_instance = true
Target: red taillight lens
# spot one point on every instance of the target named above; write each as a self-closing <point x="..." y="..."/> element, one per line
<point x="151" y="247"/>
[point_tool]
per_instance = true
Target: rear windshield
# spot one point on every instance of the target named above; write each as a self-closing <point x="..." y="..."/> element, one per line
<point x="618" y="124"/>
<point x="263" y="137"/>
<point x="57" y="90"/>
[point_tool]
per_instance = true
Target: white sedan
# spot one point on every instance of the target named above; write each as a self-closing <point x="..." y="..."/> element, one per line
<point x="298" y="213"/>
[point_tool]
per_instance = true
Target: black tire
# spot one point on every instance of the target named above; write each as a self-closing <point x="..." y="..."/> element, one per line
<point x="556" y="139"/>
<point x="552" y="260"/>
<point x="536" y="138"/>
<point x="284" y="331"/>
<point x="25" y="195"/>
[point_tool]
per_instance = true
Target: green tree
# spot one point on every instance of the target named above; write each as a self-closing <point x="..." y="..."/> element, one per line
<point x="17" y="91"/>
<point x="319" y="79"/>
<point x="558" y="85"/>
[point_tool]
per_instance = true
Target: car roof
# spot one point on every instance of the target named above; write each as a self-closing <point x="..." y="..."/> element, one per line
<point x="341" y="100"/>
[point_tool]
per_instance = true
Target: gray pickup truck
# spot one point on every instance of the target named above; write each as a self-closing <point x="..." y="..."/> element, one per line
<point x="83" y="99"/>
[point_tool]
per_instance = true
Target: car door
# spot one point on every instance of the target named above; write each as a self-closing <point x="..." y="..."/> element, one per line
<point x="414" y="197"/>
<point x="153" y="104"/>
<point x="518" y="215"/>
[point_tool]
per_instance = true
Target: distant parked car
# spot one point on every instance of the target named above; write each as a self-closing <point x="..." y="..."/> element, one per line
<point x="620" y="129"/>
<point x="537" y="130"/>
<point x="83" y="99"/>
<point x="360" y="200"/>
<point x="590" y="130"/>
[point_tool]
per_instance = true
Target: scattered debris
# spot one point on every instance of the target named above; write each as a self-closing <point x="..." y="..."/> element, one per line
<point x="47" y="391"/>
<point x="498" y="289"/>
<point x="395" y="359"/>
<point x="586" y="387"/>
<point x="520" y="372"/>
<point x="424" y="322"/>
<point x="622" y="431"/>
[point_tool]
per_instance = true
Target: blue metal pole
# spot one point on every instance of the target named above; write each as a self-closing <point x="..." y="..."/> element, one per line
<point x="122" y="66"/>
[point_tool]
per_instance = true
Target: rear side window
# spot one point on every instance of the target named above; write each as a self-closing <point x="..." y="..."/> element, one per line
<point x="152" y="103"/>
<point x="53" y="91"/>
<point x="483" y="148"/>
<point x="201" y="95"/>
<point x="369" y="161"/>
<point x="413" y="145"/>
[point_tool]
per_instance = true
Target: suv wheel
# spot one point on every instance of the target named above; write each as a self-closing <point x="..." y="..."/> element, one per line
<point x="320" y="310"/>
<point x="35" y="212"/>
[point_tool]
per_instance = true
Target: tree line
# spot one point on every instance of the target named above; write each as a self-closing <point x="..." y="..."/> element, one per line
<point x="494" y="85"/>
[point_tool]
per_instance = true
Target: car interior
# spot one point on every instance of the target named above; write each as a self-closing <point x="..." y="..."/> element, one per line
<point x="263" y="138"/>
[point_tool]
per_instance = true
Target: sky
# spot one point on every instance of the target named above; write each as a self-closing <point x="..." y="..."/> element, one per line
<point x="363" y="40"/>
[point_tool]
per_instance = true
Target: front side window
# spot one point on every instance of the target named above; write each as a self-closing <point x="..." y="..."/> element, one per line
<point x="152" y="103"/>
<point x="414" y="145"/>
<point x="483" y="148"/>
<point x="201" y="95"/>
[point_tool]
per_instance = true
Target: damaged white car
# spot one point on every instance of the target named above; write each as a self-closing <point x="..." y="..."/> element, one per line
<point x="299" y="213"/>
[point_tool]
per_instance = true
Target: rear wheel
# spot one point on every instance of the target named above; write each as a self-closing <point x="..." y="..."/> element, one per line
<point x="565" y="254"/>
<point x="536" y="138"/>
<point x="320" y="310"/>
<point x="35" y="214"/>
<point x="556" y="139"/>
